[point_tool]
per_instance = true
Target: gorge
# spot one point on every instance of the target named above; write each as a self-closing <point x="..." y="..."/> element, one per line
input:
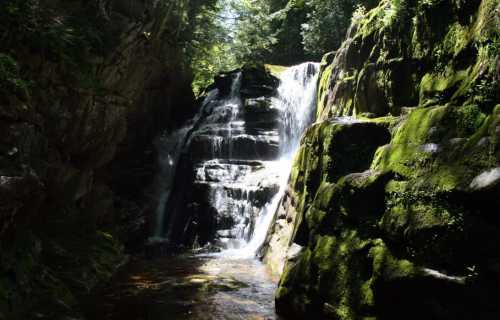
<point x="364" y="186"/>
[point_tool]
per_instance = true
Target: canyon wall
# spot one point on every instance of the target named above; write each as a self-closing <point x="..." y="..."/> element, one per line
<point x="85" y="88"/>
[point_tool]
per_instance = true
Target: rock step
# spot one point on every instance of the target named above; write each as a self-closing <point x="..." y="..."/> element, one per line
<point x="236" y="147"/>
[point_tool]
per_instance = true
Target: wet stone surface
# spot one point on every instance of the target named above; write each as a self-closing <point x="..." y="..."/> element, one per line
<point x="187" y="287"/>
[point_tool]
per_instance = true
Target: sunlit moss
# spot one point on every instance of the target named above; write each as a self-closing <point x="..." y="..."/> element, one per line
<point x="323" y="89"/>
<point x="275" y="70"/>
<point x="439" y="84"/>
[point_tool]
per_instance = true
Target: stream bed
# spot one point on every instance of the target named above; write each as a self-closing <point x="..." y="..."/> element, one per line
<point x="186" y="287"/>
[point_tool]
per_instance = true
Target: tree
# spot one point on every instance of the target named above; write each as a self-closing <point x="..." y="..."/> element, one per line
<point x="326" y="25"/>
<point x="253" y="37"/>
<point x="286" y="26"/>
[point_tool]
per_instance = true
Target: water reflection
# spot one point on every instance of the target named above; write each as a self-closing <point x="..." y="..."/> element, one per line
<point x="187" y="287"/>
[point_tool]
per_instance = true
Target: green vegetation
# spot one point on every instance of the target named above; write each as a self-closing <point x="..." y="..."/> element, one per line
<point x="230" y="33"/>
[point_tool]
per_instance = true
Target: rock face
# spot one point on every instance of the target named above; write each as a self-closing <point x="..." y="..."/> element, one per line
<point x="67" y="108"/>
<point x="392" y="215"/>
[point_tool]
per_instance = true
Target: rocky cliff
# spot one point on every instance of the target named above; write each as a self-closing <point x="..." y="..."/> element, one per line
<point x="82" y="83"/>
<point x="392" y="209"/>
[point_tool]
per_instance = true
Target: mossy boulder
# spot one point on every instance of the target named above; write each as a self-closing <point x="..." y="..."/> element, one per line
<point x="339" y="277"/>
<point x="330" y="150"/>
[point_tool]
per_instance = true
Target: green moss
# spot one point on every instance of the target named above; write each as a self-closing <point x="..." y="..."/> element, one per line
<point x="439" y="85"/>
<point x="480" y="133"/>
<point x="321" y="204"/>
<point x="448" y="166"/>
<point x="409" y="219"/>
<point x="404" y="153"/>
<point x="386" y="266"/>
<point x="373" y="20"/>
<point x="295" y="284"/>
<point x="10" y="78"/>
<point x="416" y="129"/>
<point x="486" y="25"/>
<point x="342" y="272"/>
<point x="457" y="39"/>
<point x="323" y="89"/>
<point x="322" y="253"/>
<point x="469" y="118"/>
<point x="389" y="122"/>
<point x="275" y="70"/>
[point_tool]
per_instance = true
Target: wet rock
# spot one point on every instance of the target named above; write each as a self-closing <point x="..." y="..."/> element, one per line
<point x="257" y="82"/>
<point x="76" y="147"/>
<point x="223" y="82"/>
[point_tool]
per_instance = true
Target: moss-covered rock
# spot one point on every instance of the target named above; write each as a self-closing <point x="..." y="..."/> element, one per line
<point x="339" y="277"/>
<point x="414" y="235"/>
<point x="330" y="150"/>
<point x="407" y="54"/>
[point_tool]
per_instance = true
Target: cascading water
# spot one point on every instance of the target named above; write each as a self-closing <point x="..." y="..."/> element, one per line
<point x="296" y="102"/>
<point x="235" y="158"/>
<point x="169" y="147"/>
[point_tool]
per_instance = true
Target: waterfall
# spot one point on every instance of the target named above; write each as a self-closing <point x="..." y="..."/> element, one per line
<point x="224" y="174"/>
<point x="296" y="102"/>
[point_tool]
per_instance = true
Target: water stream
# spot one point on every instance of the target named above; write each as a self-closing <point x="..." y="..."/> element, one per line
<point x="242" y="187"/>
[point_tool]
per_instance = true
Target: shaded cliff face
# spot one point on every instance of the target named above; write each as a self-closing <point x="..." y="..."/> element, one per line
<point x="391" y="214"/>
<point x="82" y="83"/>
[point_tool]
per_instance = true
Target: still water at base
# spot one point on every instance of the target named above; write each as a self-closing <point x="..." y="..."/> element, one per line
<point x="187" y="287"/>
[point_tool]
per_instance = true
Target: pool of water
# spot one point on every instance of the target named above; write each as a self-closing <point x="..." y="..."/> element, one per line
<point x="186" y="287"/>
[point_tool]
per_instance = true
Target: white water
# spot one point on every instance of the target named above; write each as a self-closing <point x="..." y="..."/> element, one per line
<point x="485" y="179"/>
<point x="296" y="101"/>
